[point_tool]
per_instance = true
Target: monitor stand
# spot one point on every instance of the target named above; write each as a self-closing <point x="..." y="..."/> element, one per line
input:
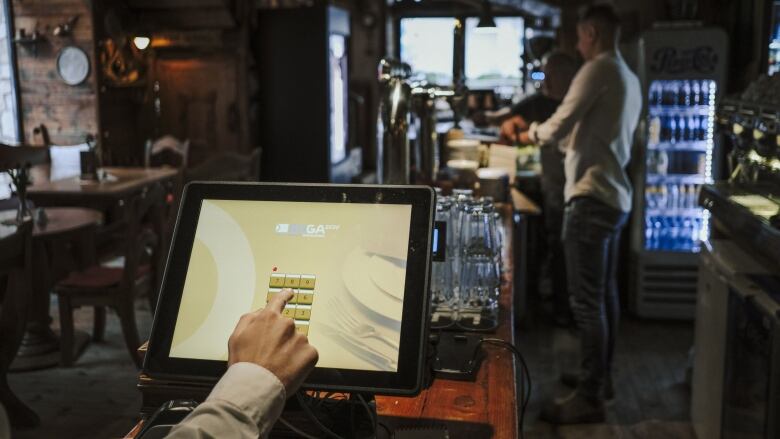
<point x="348" y="418"/>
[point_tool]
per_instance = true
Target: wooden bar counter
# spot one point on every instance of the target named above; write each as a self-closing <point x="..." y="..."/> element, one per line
<point x="485" y="408"/>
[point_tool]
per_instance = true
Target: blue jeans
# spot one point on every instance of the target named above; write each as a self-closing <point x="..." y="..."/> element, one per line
<point x="591" y="231"/>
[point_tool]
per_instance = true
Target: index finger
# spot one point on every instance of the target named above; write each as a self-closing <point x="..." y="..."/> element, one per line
<point x="277" y="303"/>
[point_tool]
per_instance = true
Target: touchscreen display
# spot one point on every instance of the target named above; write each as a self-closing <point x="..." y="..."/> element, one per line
<point x="345" y="262"/>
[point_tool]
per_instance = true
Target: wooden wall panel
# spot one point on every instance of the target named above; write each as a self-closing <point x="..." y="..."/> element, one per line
<point x="68" y="112"/>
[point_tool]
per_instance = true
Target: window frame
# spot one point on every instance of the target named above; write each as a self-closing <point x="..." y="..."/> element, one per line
<point x="13" y="61"/>
<point x="459" y="42"/>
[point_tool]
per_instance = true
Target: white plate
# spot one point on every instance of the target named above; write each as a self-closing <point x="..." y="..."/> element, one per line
<point x="388" y="274"/>
<point x="364" y="291"/>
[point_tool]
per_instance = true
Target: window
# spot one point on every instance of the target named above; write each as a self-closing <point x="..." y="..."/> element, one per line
<point x="427" y="44"/>
<point x="9" y="116"/>
<point x="494" y="55"/>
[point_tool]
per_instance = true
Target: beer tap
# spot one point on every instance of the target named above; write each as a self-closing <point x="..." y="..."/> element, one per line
<point x="398" y="162"/>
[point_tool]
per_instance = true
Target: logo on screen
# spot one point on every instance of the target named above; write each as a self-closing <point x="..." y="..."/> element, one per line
<point x="305" y="230"/>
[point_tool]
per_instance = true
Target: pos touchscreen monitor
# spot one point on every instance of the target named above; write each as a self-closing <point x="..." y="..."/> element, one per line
<point x="356" y="257"/>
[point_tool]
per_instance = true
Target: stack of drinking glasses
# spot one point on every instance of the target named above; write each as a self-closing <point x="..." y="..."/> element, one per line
<point x="465" y="286"/>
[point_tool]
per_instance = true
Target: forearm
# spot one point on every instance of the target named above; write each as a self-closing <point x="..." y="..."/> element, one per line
<point x="244" y="404"/>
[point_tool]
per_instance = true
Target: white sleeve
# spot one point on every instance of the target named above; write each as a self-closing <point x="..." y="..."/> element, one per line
<point x="245" y="403"/>
<point x="585" y="88"/>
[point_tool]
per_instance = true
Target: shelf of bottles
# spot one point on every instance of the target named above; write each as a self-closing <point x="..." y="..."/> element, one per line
<point x="681" y="118"/>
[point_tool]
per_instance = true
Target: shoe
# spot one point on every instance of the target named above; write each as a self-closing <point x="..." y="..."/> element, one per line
<point x="572" y="379"/>
<point x="574" y="409"/>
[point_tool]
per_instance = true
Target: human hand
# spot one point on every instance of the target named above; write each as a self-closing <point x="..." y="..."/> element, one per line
<point x="510" y="129"/>
<point x="524" y="138"/>
<point x="268" y="339"/>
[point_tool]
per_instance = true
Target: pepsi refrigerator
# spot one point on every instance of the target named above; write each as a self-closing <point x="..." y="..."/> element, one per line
<point x="682" y="71"/>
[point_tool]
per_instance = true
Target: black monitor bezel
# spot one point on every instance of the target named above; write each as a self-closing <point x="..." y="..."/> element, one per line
<point x="406" y="381"/>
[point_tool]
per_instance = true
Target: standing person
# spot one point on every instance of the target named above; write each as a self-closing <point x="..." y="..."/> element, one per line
<point x="559" y="69"/>
<point x="600" y="113"/>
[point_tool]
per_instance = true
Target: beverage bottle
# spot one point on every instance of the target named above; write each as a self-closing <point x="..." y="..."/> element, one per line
<point x="665" y="133"/>
<point x="686" y="236"/>
<point x="684" y="98"/>
<point x="656" y="93"/>
<point x="682" y="129"/>
<point x="672" y="129"/>
<point x="654" y="130"/>
<point x="662" y="163"/>
<point x="702" y="134"/>
<point x="662" y="198"/>
<point x="674" y="233"/>
<point x="692" y="196"/>
<point x="665" y="94"/>
<point x="670" y="94"/>
<point x="705" y="92"/>
<point x="692" y="128"/>
<point x="674" y="197"/>
<point x="649" y="233"/>
<point x="696" y="93"/>
<point x="650" y="197"/>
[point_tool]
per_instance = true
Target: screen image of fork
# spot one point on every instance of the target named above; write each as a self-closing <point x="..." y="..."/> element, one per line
<point x="300" y="306"/>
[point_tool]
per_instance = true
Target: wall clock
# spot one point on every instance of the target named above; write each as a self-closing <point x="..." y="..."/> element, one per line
<point x="73" y="65"/>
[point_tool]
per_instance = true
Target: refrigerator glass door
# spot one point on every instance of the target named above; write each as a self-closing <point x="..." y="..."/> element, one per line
<point x="774" y="41"/>
<point x="338" y="98"/>
<point x="681" y="117"/>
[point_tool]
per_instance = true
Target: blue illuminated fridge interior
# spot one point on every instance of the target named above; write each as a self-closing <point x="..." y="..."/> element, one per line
<point x="773" y="56"/>
<point x="679" y="159"/>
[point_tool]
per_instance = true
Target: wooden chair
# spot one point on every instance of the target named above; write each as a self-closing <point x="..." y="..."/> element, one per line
<point x="167" y="151"/>
<point x="18" y="156"/>
<point x="102" y="286"/>
<point x="15" y="272"/>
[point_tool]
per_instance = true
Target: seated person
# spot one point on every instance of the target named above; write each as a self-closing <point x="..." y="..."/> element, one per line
<point x="267" y="362"/>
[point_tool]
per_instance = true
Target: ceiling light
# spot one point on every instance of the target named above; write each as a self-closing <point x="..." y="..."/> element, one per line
<point x="141" y="42"/>
<point x="486" y="17"/>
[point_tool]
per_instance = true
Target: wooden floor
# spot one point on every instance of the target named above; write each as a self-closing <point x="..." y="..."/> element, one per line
<point x="652" y="396"/>
<point x="97" y="398"/>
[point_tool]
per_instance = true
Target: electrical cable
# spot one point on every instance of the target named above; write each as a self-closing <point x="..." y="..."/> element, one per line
<point x="295" y="430"/>
<point x="310" y="414"/>
<point x="371" y="414"/>
<point x="386" y="428"/>
<point x="525" y="394"/>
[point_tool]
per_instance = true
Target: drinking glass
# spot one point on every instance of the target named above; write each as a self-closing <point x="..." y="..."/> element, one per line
<point x="443" y="295"/>
<point x="479" y="275"/>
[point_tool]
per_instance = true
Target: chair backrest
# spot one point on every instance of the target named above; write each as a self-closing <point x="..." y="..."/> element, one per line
<point x="147" y="203"/>
<point x="13" y="157"/>
<point x="167" y="151"/>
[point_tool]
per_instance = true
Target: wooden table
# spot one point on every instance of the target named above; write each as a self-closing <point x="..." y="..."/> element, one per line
<point x="110" y="196"/>
<point x="65" y="227"/>
<point x="76" y="192"/>
<point x="487" y="407"/>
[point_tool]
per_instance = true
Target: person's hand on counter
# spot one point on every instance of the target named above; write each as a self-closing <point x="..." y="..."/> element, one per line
<point x="268" y="339"/>
<point x="524" y="138"/>
<point x="512" y="128"/>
